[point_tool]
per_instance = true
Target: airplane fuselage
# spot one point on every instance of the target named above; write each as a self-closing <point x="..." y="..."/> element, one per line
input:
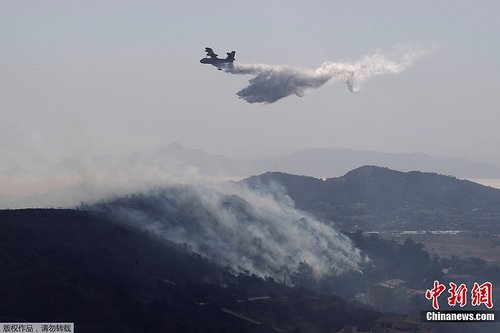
<point x="212" y="59"/>
<point x="216" y="62"/>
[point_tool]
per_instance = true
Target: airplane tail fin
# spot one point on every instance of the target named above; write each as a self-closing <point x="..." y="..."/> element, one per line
<point x="230" y="55"/>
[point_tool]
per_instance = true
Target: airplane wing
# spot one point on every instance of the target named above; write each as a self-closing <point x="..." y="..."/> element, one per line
<point x="210" y="52"/>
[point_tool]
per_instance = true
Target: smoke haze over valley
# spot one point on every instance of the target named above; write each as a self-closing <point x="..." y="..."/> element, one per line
<point x="238" y="228"/>
<point x="68" y="182"/>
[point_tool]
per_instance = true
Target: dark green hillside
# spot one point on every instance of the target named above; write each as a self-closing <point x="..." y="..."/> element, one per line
<point x="71" y="266"/>
<point x="375" y="198"/>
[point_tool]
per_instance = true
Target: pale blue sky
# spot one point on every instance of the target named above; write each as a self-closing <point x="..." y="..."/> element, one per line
<point x="96" y="77"/>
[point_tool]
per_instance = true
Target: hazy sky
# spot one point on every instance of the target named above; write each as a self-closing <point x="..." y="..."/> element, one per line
<point x="96" y="77"/>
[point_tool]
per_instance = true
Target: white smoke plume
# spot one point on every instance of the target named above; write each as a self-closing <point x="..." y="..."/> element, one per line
<point x="272" y="83"/>
<point x="238" y="228"/>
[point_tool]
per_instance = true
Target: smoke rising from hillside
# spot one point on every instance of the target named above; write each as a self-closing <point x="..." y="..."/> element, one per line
<point x="238" y="228"/>
<point x="272" y="83"/>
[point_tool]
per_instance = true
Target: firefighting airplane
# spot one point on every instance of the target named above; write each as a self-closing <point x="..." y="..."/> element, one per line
<point x="212" y="59"/>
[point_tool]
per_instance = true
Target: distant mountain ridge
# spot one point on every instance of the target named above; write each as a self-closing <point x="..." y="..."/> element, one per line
<point x="326" y="162"/>
<point x="92" y="178"/>
<point x="376" y="198"/>
<point x="335" y="162"/>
